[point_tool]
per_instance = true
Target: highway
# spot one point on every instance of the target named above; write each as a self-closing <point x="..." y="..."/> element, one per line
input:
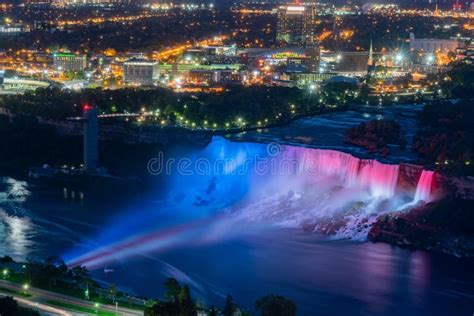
<point x="39" y="298"/>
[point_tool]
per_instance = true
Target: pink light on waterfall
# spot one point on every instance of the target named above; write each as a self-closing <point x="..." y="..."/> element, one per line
<point x="326" y="162"/>
<point x="378" y="178"/>
<point x="424" y="186"/>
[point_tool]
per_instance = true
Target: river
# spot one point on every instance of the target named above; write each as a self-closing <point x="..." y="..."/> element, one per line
<point x="238" y="229"/>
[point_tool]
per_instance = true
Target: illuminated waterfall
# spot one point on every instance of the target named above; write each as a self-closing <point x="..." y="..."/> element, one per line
<point x="424" y="187"/>
<point x="230" y="185"/>
<point x="378" y="178"/>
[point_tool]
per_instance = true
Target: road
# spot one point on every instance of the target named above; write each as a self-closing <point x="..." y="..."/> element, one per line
<point x="38" y="300"/>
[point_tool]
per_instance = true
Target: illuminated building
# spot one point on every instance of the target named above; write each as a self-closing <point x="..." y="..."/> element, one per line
<point x="352" y="63"/>
<point x="203" y="76"/>
<point x="140" y="71"/>
<point x="296" y="23"/>
<point x="209" y="77"/>
<point x="212" y="54"/>
<point x="291" y="79"/>
<point x="69" y="62"/>
<point x="432" y="45"/>
<point x="12" y="29"/>
<point x="312" y="54"/>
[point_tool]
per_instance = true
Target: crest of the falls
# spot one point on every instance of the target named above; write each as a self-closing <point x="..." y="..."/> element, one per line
<point x="379" y="179"/>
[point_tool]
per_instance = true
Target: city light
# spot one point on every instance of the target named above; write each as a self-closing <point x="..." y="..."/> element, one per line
<point x="430" y="59"/>
<point x="399" y="57"/>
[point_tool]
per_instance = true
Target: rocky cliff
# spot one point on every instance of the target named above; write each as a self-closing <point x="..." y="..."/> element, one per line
<point x="445" y="226"/>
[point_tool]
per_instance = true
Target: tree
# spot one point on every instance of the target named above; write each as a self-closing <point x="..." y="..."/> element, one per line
<point x="173" y="290"/>
<point x="10" y="307"/>
<point x="157" y="309"/>
<point x="113" y="292"/>
<point x="6" y="259"/>
<point x="186" y="304"/>
<point x="459" y="81"/>
<point x="54" y="268"/>
<point x="213" y="311"/>
<point x="275" y="305"/>
<point x="230" y="307"/>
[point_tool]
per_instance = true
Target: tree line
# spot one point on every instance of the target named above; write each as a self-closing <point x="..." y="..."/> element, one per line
<point x="178" y="302"/>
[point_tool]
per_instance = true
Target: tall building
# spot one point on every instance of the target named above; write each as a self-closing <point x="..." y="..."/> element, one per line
<point x="296" y="23"/>
<point x="91" y="138"/>
<point x="69" y="62"/>
<point x="312" y="56"/>
<point x="140" y="71"/>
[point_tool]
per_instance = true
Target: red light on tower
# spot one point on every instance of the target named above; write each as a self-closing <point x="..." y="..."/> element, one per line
<point x="86" y="107"/>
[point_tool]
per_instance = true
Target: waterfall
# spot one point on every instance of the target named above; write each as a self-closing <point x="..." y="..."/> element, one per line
<point x="325" y="162"/>
<point x="424" y="186"/>
<point x="308" y="164"/>
<point x="378" y="178"/>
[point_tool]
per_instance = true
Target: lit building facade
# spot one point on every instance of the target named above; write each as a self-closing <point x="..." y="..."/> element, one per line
<point x="69" y="62"/>
<point x="210" y="77"/>
<point x="352" y="63"/>
<point x="313" y="55"/>
<point x="140" y="71"/>
<point x="432" y="45"/>
<point x="12" y="29"/>
<point x="296" y="23"/>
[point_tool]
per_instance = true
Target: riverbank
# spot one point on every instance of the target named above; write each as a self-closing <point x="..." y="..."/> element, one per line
<point x="445" y="226"/>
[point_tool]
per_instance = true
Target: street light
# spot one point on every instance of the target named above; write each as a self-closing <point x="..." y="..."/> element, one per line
<point x="399" y="57"/>
<point x="430" y="59"/>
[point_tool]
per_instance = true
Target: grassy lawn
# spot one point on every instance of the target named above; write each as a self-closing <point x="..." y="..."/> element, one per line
<point x="77" y="308"/>
<point x="14" y="292"/>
